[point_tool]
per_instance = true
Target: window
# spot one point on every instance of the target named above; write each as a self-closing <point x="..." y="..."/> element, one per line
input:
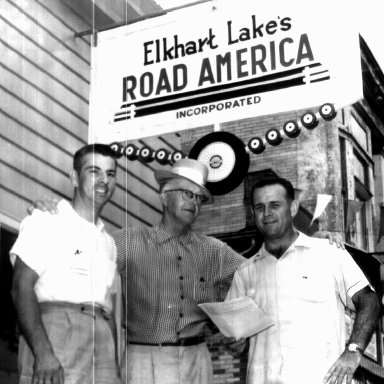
<point x="356" y="210"/>
<point x="360" y="170"/>
<point x="359" y="133"/>
<point x="360" y="227"/>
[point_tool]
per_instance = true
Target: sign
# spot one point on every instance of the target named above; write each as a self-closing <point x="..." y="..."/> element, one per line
<point x="220" y="61"/>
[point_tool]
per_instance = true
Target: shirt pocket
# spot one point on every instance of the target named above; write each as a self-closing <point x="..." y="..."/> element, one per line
<point x="205" y="291"/>
<point x="310" y="286"/>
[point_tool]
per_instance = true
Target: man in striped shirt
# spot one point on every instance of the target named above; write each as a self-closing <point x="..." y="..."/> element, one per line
<point x="167" y="271"/>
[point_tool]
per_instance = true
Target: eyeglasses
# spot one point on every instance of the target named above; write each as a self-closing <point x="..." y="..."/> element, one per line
<point x="188" y="195"/>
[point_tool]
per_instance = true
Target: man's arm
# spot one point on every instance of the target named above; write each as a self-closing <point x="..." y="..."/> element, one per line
<point x="230" y="262"/>
<point x="47" y="367"/>
<point x="367" y="314"/>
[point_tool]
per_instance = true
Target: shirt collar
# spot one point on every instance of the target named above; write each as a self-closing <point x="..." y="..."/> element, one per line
<point x="66" y="208"/>
<point x="162" y="234"/>
<point x="301" y="241"/>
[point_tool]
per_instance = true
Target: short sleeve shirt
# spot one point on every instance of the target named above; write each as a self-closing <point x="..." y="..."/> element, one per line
<point x="165" y="277"/>
<point x="305" y="292"/>
<point x="74" y="259"/>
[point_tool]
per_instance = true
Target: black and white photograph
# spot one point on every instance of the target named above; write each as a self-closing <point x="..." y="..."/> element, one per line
<point x="191" y="192"/>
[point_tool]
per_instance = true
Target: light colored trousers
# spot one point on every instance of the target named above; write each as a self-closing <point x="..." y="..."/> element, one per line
<point x="82" y="341"/>
<point x="144" y="364"/>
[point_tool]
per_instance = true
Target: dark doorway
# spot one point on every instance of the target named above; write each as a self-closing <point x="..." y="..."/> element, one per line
<point x="8" y="326"/>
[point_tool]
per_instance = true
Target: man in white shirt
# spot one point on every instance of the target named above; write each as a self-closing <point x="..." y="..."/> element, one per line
<point x="304" y="284"/>
<point x="64" y="276"/>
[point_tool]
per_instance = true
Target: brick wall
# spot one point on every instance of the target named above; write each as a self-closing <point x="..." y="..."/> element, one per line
<point x="311" y="162"/>
<point x="227" y="367"/>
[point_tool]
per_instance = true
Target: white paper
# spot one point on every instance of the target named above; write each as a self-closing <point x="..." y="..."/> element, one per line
<point x="238" y="318"/>
<point x="321" y="203"/>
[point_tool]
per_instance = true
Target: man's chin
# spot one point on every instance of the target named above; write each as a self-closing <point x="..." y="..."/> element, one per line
<point x="100" y="200"/>
<point x="271" y="233"/>
<point x="188" y="219"/>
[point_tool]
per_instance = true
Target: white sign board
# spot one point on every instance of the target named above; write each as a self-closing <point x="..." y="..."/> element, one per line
<point x="220" y="61"/>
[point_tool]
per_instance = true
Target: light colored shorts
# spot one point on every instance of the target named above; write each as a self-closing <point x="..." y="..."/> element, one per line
<point x="83" y="342"/>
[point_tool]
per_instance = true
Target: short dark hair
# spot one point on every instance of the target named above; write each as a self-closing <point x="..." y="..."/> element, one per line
<point x="286" y="184"/>
<point x="102" y="149"/>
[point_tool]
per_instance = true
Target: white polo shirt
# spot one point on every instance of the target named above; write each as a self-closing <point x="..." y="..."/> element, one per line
<point x="305" y="292"/>
<point x="75" y="259"/>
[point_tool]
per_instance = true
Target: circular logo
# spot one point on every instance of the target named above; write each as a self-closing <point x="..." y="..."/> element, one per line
<point x="226" y="158"/>
<point x="216" y="161"/>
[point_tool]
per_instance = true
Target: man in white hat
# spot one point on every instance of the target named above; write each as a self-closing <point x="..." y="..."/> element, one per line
<point x="167" y="271"/>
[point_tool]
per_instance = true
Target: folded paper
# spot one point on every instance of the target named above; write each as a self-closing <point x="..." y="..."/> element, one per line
<point x="238" y="318"/>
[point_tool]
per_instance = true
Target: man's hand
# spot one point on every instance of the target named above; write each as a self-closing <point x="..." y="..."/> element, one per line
<point x="345" y="365"/>
<point x="233" y="345"/>
<point x="45" y="204"/>
<point x="47" y="369"/>
<point x="332" y="237"/>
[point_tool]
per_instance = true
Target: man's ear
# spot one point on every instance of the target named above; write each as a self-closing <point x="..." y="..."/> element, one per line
<point x="74" y="177"/>
<point x="294" y="208"/>
<point x="163" y="199"/>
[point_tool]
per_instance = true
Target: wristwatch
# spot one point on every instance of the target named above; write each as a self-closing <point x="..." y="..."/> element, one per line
<point x="353" y="347"/>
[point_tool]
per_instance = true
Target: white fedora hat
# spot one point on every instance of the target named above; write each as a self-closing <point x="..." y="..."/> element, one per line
<point x="189" y="169"/>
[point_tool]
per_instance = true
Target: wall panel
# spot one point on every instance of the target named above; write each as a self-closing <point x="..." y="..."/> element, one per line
<point x="44" y="93"/>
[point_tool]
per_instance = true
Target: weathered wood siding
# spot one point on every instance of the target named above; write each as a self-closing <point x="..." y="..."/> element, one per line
<point x="44" y="93"/>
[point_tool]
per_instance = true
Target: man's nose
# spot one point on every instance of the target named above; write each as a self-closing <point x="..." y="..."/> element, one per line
<point x="194" y="200"/>
<point x="103" y="178"/>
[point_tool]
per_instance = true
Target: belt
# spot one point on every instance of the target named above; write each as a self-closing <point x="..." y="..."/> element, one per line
<point x="180" y="343"/>
<point x="86" y="309"/>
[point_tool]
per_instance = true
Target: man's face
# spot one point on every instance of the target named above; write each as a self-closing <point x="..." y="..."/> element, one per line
<point x="181" y="211"/>
<point x="272" y="210"/>
<point x="97" y="179"/>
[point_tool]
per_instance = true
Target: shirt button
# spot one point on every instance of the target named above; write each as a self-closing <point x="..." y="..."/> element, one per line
<point x="179" y="258"/>
<point x="181" y="315"/>
<point x="182" y="297"/>
<point x="178" y="333"/>
<point x="181" y="277"/>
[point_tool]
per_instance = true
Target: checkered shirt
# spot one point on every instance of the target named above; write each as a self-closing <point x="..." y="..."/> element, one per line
<point x="166" y="276"/>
